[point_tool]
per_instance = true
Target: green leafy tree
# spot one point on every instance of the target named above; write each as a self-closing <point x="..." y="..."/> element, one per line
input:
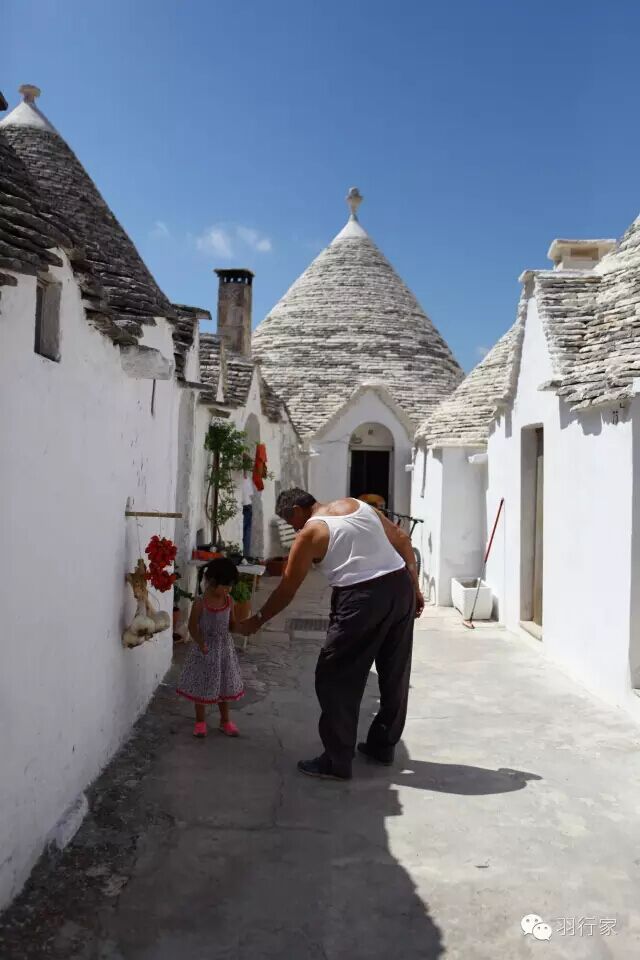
<point x="228" y="449"/>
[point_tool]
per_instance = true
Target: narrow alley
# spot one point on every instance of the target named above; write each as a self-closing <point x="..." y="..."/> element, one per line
<point x="514" y="793"/>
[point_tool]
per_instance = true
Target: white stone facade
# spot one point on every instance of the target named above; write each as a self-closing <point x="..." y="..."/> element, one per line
<point x="591" y="528"/>
<point x="549" y="423"/>
<point x="81" y="443"/>
<point x="329" y="469"/>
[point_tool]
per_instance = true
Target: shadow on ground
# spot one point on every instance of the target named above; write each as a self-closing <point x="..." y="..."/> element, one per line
<point x="455" y="778"/>
<point x="220" y="850"/>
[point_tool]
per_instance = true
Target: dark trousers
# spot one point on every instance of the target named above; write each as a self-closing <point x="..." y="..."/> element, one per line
<point x="370" y="622"/>
<point x="247" y="520"/>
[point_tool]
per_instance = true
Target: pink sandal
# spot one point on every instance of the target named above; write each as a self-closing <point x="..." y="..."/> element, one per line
<point x="229" y="728"/>
<point x="200" y="729"/>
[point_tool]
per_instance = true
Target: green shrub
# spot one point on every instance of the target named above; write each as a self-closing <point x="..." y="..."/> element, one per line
<point x="241" y="592"/>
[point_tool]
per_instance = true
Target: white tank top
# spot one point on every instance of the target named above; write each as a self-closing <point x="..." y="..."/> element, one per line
<point x="359" y="549"/>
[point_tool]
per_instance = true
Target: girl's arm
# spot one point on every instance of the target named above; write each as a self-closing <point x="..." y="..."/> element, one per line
<point x="194" y="625"/>
<point x="232" y="617"/>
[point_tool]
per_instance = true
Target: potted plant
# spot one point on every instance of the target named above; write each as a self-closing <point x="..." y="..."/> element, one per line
<point x="241" y="596"/>
<point x="227" y="448"/>
<point x="233" y="552"/>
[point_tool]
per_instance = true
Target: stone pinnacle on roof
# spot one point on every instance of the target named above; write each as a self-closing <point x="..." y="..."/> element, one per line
<point x="118" y="289"/>
<point x="354" y="199"/>
<point x="27" y="114"/>
<point x="346" y="320"/>
<point x="30" y="92"/>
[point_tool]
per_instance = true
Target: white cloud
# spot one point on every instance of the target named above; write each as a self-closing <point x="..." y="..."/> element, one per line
<point x="229" y="240"/>
<point x="481" y="352"/>
<point x="216" y="240"/>
<point x="160" y="231"/>
<point x="253" y="239"/>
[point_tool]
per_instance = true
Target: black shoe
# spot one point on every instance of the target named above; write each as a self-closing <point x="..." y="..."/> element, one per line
<point x="383" y="755"/>
<point x="323" y="768"/>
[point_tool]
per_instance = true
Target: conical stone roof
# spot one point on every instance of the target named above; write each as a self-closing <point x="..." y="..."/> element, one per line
<point x="347" y="320"/>
<point x="116" y="284"/>
<point x="465" y="418"/>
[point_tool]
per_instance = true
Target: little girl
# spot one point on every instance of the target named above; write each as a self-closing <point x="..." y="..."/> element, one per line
<point x="211" y="672"/>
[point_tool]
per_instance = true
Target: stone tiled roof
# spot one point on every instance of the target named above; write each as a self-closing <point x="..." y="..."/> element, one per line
<point x="273" y="406"/>
<point x="210" y="365"/>
<point x="184" y="331"/>
<point x="566" y="303"/>
<point x="236" y="373"/>
<point x="27" y="228"/>
<point x="237" y="377"/>
<point x="465" y="418"/>
<point x="117" y="287"/>
<point x="608" y="358"/>
<point x="347" y="319"/>
<point x="591" y="321"/>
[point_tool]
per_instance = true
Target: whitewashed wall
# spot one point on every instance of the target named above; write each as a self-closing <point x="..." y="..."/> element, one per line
<point x="463" y="525"/>
<point x="194" y="420"/>
<point x="588" y="524"/>
<point x="426" y="504"/>
<point x="450" y="498"/>
<point x="82" y="441"/>
<point x="329" y="472"/>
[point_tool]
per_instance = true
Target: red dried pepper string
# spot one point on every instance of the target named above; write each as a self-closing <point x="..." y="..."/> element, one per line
<point x="161" y="553"/>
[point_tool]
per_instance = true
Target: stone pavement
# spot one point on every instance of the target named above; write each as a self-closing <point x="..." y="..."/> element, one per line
<point x="514" y="793"/>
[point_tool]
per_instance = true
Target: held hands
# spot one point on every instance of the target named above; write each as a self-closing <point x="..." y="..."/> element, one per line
<point x="419" y="603"/>
<point x="204" y="649"/>
<point x="247" y="627"/>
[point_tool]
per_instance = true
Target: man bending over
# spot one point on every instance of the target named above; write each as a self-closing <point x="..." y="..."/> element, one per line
<point x="376" y="596"/>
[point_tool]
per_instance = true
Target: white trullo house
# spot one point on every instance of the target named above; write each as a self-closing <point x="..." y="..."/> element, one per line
<point x="359" y="365"/>
<point x="89" y="401"/>
<point x="106" y="391"/>
<point x="550" y="421"/>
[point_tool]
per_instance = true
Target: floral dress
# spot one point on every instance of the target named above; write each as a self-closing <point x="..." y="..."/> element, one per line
<point x="213" y="676"/>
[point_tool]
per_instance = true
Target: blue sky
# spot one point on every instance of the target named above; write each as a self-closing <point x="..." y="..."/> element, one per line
<point x="228" y="133"/>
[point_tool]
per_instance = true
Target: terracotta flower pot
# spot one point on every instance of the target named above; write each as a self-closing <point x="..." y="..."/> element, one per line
<point x="204" y="555"/>
<point x="242" y="610"/>
<point x="276" y="566"/>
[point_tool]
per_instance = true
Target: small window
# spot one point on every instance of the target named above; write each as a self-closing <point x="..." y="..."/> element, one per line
<point x="424" y="472"/>
<point x="47" y="331"/>
<point x="153" y="399"/>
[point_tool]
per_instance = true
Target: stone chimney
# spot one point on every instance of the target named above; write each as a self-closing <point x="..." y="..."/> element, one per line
<point x="578" y="254"/>
<point x="234" y="309"/>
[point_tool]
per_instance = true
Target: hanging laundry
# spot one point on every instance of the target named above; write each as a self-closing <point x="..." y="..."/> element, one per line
<point x="260" y="466"/>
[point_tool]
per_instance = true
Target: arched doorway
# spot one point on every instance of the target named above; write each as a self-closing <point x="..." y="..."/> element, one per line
<point x="371" y="462"/>
<point x="252" y="430"/>
<point x="256" y="538"/>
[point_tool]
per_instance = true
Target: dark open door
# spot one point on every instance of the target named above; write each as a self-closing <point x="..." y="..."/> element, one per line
<point x="370" y="473"/>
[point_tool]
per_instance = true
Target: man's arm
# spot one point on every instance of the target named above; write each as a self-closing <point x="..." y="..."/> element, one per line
<point x="309" y="545"/>
<point x="401" y="542"/>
